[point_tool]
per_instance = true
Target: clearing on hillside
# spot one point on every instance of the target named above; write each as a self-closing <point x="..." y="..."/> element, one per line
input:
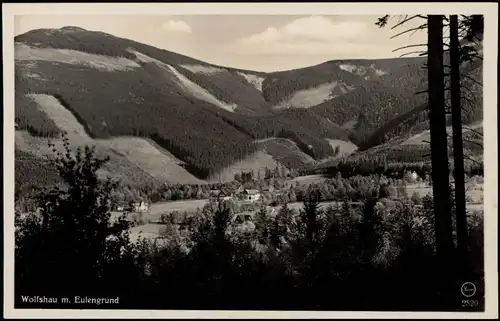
<point x="187" y="85"/>
<point x="425" y="136"/>
<point x="361" y="70"/>
<point x="150" y="159"/>
<point x="286" y="152"/>
<point x="201" y="93"/>
<point x="161" y="165"/>
<point x="345" y="148"/>
<point x="307" y="98"/>
<point x="74" y="57"/>
<point x="207" y="70"/>
<point x="63" y="118"/>
<point x="256" y="163"/>
<point x="308" y="179"/>
<point x="118" y="166"/>
<point x="256" y="81"/>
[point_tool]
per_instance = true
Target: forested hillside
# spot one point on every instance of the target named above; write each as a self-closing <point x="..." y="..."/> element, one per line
<point x="209" y="116"/>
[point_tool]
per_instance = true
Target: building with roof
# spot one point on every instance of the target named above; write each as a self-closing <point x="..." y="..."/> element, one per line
<point x="250" y="195"/>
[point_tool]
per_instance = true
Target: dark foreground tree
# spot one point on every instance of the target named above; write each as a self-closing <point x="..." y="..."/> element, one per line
<point x="458" y="150"/>
<point x="439" y="151"/>
<point x="72" y="246"/>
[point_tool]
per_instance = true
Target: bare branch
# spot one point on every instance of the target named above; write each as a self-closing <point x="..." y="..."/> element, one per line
<point x="409" y="46"/>
<point x="475" y="131"/>
<point x="473" y="142"/>
<point x="406" y="19"/>
<point x="472" y="160"/>
<point x="412" y="52"/>
<point x="421" y="27"/>
<point x="473" y="80"/>
<point x="422" y="92"/>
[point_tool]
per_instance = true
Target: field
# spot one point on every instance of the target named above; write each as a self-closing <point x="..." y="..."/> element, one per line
<point x="308" y="179"/>
<point x="152" y="230"/>
<point x="474" y="193"/>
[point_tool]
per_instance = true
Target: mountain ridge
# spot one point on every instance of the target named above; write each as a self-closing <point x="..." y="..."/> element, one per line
<point x="119" y="87"/>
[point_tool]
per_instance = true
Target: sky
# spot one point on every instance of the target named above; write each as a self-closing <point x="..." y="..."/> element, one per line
<point x="254" y="42"/>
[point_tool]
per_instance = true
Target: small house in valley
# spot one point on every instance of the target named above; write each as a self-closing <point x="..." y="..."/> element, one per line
<point x="139" y="207"/>
<point x="250" y="195"/>
<point x="119" y="208"/>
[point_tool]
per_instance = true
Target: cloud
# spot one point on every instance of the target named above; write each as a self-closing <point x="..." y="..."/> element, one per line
<point x="314" y="28"/>
<point x="176" y="26"/>
<point x="317" y="35"/>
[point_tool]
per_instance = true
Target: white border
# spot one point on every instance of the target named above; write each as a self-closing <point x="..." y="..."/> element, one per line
<point x="377" y="9"/>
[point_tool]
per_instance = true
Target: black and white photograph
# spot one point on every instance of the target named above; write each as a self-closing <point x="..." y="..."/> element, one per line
<point x="250" y="157"/>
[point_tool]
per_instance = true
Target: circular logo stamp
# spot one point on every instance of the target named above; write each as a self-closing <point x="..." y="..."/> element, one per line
<point x="468" y="289"/>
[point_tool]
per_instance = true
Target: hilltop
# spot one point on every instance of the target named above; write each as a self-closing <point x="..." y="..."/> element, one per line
<point x="167" y="117"/>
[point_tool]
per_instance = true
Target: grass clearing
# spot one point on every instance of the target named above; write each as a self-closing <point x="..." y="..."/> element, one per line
<point x="152" y="160"/>
<point x="186" y="84"/>
<point x="307" y="98"/>
<point x="425" y="136"/>
<point x="255" y="80"/>
<point x="137" y="152"/>
<point x="345" y="148"/>
<point x="207" y="70"/>
<point x="286" y="152"/>
<point x="256" y="163"/>
<point x="309" y="179"/>
<point x="74" y="57"/>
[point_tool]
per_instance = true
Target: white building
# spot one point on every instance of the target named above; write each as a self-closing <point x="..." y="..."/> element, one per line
<point x="140" y="207"/>
<point x="251" y="195"/>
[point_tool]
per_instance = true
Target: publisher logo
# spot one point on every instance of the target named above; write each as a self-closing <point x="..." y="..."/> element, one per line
<point x="468" y="289"/>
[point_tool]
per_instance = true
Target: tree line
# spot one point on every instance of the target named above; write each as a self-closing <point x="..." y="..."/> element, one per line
<point x="376" y="256"/>
<point x="471" y="29"/>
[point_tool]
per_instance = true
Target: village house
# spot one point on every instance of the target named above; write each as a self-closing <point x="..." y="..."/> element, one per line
<point x="139" y="207"/>
<point x="250" y="195"/>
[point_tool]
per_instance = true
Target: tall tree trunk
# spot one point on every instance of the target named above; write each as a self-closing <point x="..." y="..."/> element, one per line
<point x="458" y="152"/>
<point x="439" y="150"/>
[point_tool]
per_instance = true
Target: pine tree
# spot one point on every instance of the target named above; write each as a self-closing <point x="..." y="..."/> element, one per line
<point x="262" y="225"/>
<point x="73" y="246"/>
<point x="439" y="156"/>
